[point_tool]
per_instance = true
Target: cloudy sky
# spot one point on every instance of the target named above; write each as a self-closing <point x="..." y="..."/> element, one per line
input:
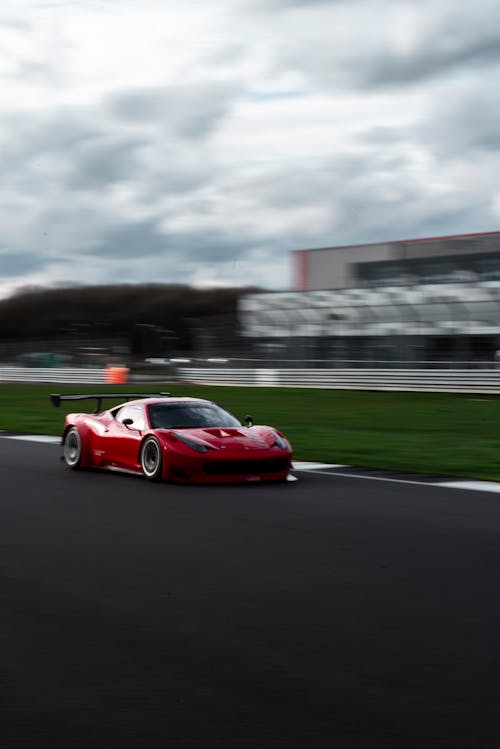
<point x="200" y="141"/>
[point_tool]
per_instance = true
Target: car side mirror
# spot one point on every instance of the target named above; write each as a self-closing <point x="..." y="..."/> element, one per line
<point x="249" y="420"/>
<point x="127" y="422"/>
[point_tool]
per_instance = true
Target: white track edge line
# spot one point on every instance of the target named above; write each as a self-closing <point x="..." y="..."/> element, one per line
<point x="468" y="484"/>
<point x="33" y="438"/>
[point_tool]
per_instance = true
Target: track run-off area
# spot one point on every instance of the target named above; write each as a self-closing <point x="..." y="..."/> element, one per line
<point x="343" y="609"/>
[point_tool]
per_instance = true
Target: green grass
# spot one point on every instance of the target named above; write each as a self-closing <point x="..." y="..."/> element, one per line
<point x="422" y="432"/>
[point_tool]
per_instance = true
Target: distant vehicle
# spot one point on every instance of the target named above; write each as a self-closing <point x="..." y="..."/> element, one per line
<point x="44" y="359"/>
<point x="183" y="440"/>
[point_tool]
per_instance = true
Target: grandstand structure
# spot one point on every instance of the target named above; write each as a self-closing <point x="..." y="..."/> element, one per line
<point x="414" y="302"/>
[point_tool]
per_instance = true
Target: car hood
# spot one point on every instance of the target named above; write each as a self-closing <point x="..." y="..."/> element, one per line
<point x="231" y="437"/>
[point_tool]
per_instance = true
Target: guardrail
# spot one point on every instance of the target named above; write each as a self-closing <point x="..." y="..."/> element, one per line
<point x="56" y="374"/>
<point x="443" y="380"/>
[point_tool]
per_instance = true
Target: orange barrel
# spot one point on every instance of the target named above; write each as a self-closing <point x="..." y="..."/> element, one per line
<point x="116" y="375"/>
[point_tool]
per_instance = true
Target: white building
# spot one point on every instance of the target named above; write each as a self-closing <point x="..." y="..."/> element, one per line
<point x="431" y="260"/>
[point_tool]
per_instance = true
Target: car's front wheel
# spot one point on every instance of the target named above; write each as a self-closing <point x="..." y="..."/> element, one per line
<point x="72" y="448"/>
<point x="151" y="460"/>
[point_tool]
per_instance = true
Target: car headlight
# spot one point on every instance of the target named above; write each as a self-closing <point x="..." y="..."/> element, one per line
<point x="279" y="442"/>
<point x="192" y="444"/>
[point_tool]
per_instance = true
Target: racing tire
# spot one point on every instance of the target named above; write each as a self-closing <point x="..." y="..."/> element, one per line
<point x="151" y="459"/>
<point x="72" y="448"/>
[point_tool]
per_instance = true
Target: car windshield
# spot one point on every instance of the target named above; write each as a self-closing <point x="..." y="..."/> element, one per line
<point x="189" y="415"/>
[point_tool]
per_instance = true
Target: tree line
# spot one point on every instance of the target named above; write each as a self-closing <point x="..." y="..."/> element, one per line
<point x="114" y="310"/>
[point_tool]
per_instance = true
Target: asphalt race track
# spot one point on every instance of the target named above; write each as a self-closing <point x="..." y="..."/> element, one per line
<point x="327" y="612"/>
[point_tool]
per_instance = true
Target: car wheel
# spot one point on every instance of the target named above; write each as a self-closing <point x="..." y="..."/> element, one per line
<point x="151" y="460"/>
<point x="72" y="448"/>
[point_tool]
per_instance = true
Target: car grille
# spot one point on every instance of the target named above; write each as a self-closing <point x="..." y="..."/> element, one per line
<point x="240" y="467"/>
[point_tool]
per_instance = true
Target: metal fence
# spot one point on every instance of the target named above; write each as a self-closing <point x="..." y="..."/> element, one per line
<point x="54" y="374"/>
<point x="444" y="380"/>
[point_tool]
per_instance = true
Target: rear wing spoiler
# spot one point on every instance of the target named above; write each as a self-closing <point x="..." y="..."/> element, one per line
<point x="56" y="398"/>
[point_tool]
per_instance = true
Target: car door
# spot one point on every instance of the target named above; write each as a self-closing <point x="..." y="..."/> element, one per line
<point x="123" y="440"/>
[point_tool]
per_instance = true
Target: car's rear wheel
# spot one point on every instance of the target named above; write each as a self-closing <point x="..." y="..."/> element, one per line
<point x="151" y="460"/>
<point x="72" y="448"/>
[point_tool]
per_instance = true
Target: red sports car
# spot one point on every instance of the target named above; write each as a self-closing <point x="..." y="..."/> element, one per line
<point x="185" y="440"/>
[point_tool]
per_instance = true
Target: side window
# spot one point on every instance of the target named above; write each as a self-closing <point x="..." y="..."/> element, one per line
<point x="135" y="413"/>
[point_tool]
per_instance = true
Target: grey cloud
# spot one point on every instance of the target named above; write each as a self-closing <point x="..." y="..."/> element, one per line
<point x="15" y="23"/>
<point x="14" y="264"/>
<point x="213" y="246"/>
<point x="430" y="60"/>
<point x="367" y="216"/>
<point x="386" y="136"/>
<point x="340" y="48"/>
<point x="145" y="240"/>
<point x="140" y="105"/>
<point x="65" y="163"/>
<point x="27" y="138"/>
<point x="463" y="123"/>
<point x="191" y="111"/>
<point x="459" y="123"/>
<point x="323" y="183"/>
<point x="378" y="205"/>
<point x="176" y="176"/>
<point x="154" y="169"/>
<point x="125" y="240"/>
<point x="100" y="162"/>
<point x="77" y="150"/>
<point x="369" y="198"/>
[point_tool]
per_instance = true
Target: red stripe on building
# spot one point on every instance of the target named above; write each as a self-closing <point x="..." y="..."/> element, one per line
<point x="301" y="270"/>
<point x="451" y="236"/>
